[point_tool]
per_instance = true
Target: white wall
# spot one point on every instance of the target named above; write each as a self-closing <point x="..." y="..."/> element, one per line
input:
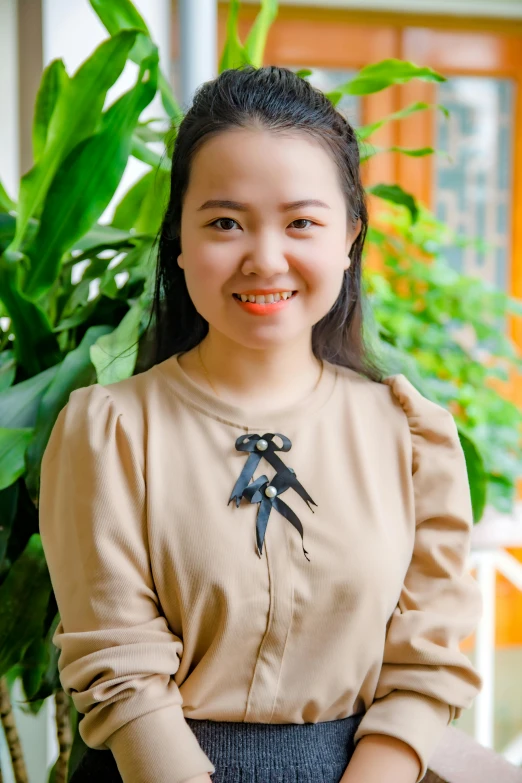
<point x="9" y="170"/>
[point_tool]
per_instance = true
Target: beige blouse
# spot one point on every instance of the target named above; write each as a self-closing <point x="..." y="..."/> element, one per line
<point x="177" y="600"/>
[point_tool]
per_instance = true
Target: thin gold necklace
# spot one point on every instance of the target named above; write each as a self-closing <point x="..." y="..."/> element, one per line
<point x="214" y="388"/>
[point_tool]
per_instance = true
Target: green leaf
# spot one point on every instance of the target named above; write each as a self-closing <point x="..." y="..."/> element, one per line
<point x="234" y="54"/>
<point x="304" y="73"/>
<point x="75" y="371"/>
<point x="7" y="229"/>
<point x="378" y="76"/>
<point x="49" y="675"/>
<point x="117" y="15"/>
<point x="19" y="404"/>
<point x="6" y="203"/>
<point x="24" y="596"/>
<point x="7" y="369"/>
<point x="103" y="237"/>
<point x="127" y="211"/>
<point x="54" y="80"/>
<point x="154" y="204"/>
<point x="140" y="151"/>
<point x="114" y="355"/>
<point x="256" y="39"/>
<point x="86" y="182"/>
<point x="35" y="346"/>
<point x="476" y="475"/>
<point x="8" y="506"/>
<point x="396" y="195"/>
<point x="13" y="444"/>
<point x="75" y="117"/>
<point x="419" y="152"/>
<point x="365" y="131"/>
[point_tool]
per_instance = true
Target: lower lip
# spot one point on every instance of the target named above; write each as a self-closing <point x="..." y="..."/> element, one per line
<point x="264" y="309"/>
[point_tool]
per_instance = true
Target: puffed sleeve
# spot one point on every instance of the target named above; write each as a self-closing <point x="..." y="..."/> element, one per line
<point x="117" y="653"/>
<point x="426" y="681"/>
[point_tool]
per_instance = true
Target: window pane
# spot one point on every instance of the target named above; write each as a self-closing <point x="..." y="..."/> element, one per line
<point x="473" y="189"/>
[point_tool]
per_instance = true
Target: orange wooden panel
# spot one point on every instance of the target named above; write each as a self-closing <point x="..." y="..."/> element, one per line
<point x="464" y="52"/>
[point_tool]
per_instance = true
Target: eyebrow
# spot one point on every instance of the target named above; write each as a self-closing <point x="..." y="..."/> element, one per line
<point x="239" y="207"/>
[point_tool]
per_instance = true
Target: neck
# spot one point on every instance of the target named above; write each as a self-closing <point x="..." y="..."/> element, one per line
<point x="283" y="373"/>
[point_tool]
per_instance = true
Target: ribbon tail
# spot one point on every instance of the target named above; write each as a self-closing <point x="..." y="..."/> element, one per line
<point x="287" y="512"/>
<point x="244" y="477"/>
<point x="263" y="514"/>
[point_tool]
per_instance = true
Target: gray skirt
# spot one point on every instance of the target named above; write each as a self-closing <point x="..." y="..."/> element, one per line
<point x="255" y="752"/>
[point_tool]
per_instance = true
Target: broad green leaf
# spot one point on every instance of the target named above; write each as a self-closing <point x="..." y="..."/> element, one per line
<point x="114" y="355"/>
<point x="256" y="39"/>
<point x="127" y="211"/>
<point x="396" y="195"/>
<point x="8" y="504"/>
<point x="75" y="371"/>
<point x="13" y="444"/>
<point x="6" y="202"/>
<point x="365" y="131"/>
<point x="143" y="206"/>
<point x="117" y="15"/>
<point x="168" y="100"/>
<point x="376" y="77"/>
<point x="7" y="369"/>
<point x="7" y="229"/>
<point x="49" y="676"/>
<point x="35" y="345"/>
<point x="103" y="237"/>
<point x="54" y="80"/>
<point x="234" y="54"/>
<point x="86" y="182"/>
<point x="140" y="151"/>
<point x="304" y="73"/>
<point x="19" y="404"/>
<point x="24" y="597"/>
<point x="75" y="117"/>
<point x="154" y="204"/>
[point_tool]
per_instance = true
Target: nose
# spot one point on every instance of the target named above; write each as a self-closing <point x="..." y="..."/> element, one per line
<point x="265" y="257"/>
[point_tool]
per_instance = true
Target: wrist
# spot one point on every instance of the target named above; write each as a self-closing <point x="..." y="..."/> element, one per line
<point x="379" y="757"/>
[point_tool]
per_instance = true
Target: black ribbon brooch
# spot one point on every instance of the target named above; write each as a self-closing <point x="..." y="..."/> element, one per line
<point x="267" y="493"/>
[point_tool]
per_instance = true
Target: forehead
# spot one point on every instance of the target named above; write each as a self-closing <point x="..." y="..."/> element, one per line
<point x="295" y="164"/>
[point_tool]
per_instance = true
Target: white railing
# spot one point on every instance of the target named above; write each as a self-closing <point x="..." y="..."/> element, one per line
<point x="488" y="556"/>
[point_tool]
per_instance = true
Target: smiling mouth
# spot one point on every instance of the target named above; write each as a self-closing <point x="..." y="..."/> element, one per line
<point x="260" y="299"/>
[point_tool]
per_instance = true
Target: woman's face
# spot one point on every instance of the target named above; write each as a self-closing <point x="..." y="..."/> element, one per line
<point x="240" y="232"/>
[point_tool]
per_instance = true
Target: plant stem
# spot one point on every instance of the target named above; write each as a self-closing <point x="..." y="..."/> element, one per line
<point x="63" y="732"/>
<point x="11" y="734"/>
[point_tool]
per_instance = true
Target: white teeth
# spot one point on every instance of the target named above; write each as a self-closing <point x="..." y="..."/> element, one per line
<point x="262" y="299"/>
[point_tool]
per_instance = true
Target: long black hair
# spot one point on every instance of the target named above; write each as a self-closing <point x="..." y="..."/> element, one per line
<point x="275" y="99"/>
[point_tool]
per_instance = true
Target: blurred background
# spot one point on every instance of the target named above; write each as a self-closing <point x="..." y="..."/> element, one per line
<point x="441" y="141"/>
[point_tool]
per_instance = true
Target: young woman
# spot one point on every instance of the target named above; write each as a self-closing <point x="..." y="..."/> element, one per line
<point x="258" y="544"/>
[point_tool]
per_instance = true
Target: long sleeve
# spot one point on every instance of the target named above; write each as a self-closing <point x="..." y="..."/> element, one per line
<point x="426" y="681"/>
<point x="118" y="656"/>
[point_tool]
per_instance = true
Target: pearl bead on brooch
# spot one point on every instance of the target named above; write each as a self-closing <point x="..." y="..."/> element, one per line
<point x="261" y="444"/>
<point x="271" y="492"/>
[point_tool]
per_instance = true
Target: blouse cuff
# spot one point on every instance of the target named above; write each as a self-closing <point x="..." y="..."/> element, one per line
<point x="158" y="746"/>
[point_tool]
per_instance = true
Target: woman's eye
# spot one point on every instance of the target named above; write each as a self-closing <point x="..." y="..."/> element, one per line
<point x="223" y="220"/>
<point x="302" y="220"/>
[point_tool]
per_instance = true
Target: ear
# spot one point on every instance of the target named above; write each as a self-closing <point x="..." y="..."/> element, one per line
<point x="180" y="261"/>
<point x="352" y="236"/>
